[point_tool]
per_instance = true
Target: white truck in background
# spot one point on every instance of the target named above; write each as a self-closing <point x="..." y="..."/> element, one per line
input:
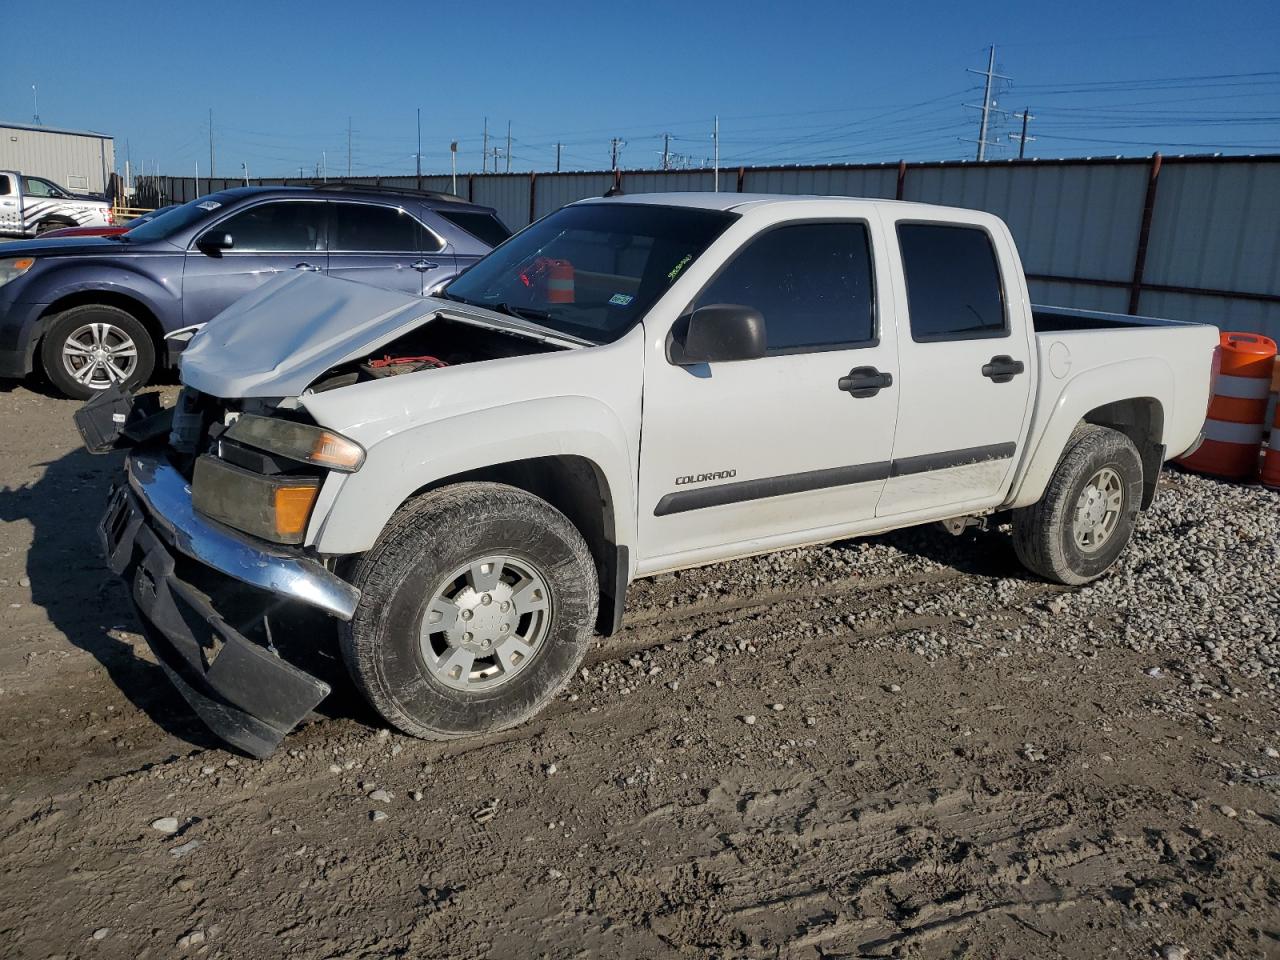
<point x="466" y="485"/>
<point x="30" y="206"/>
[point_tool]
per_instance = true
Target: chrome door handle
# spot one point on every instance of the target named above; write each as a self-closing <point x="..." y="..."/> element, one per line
<point x="422" y="266"/>
<point x="306" y="266"/>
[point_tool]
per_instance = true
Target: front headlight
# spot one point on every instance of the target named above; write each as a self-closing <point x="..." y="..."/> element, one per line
<point x="13" y="267"/>
<point x="297" y="441"/>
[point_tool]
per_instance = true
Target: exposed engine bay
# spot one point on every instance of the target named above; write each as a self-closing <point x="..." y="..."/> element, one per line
<point x="442" y="342"/>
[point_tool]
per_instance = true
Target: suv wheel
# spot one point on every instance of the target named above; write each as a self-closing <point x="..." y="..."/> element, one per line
<point x="477" y="605"/>
<point x="1088" y="512"/>
<point x="92" y="347"/>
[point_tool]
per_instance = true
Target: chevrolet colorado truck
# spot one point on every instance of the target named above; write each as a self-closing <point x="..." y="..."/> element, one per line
<point x="465" y="485"/>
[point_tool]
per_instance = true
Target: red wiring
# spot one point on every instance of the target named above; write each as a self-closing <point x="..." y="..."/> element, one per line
<point x="390" y="361"/>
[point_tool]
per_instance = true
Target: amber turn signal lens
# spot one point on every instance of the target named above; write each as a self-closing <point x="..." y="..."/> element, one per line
<point x="293" y="508"/>
<point x="24" y="263"/>
<point x="331" y="450"/>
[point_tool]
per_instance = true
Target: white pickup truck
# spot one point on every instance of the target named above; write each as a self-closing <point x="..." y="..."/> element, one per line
<point x="467" y="484"/>
<point x="30" y="206"/>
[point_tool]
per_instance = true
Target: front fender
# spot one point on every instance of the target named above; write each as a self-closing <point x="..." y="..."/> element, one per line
<point x="355" y="508"/>
<point x="1056" y="419"/>
<point x="60" y="281"/>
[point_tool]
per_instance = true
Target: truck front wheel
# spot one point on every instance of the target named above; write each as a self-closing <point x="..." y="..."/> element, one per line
<point x="1088" y="512"/>
<point x="477" y="605"/>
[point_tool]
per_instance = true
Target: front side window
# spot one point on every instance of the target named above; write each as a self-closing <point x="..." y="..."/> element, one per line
<point x="283" y="227"/>
<point x="371" y="228"/>
<point x="4" y="186"/>
<point x="953" y="282"/>
<point x="591" y="270"/>
<point x="811" y="282"/>
<point x="36" y="187"/>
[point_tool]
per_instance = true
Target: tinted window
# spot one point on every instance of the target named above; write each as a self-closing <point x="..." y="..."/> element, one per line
<point x="291" y="227"/>
<point x="591" y="270"/>
<point x="485" y="227"/>
<point x="953" y="282"/>
<point x="4" y="186"/>
<point x="811" y="282"/>
<point x="365" y="226"/>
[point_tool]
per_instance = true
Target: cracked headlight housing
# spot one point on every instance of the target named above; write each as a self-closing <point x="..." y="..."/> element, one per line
<point x="297" y="441"/>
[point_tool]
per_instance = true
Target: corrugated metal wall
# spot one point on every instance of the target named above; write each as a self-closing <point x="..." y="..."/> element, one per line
<point x="1208" y="249"/>
<point x="81" y="162"/>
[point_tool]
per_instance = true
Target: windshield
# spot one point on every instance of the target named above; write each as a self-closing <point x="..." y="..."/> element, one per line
<point x="177" y="218"/>
<point x="591" y="270"/>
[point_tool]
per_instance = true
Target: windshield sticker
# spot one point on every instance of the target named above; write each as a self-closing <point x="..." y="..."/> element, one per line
<point x="675" y="271"/>
<point x="210" y="205"/>
<point x="621" y="299"/>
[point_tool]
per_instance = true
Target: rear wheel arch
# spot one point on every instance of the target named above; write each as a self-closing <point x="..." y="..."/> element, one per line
<point x="1141" y="419"/>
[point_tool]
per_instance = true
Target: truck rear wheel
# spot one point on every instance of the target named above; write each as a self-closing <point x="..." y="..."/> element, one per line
<point x="1088" y="512"/>
<point x="476" y="607"/>
<point x="93" y="346"/>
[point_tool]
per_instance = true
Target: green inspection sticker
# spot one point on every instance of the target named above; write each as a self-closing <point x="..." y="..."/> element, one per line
<point x="675" y="271"/>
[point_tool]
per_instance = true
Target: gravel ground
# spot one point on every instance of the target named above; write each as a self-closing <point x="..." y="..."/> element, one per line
<point x="901" y="746"/>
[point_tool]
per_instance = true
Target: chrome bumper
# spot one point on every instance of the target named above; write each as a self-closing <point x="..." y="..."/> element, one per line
<point x="166" y="496"/>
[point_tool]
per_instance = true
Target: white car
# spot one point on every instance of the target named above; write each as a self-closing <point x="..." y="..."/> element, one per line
<point x="466" y="485"/>
<point x="30" y="206"/>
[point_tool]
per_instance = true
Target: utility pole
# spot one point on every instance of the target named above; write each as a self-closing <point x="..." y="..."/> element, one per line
<point x="348" y="146"/>
<point x="988" y="106"/>
<point x="35" y="106"/>
<point x="715" y="137"/>
<point x="666" y="151"/>
<point x="615" y="146"/>
<point x="495" y="166"/>
<point x="557" y="158"/>
<point x="324" y="167"/>
<point x="418" y="156"/>
<point x="245" y="167"/>
<point x="484" y="150"/>
<point x="197" y="166"/>
<point x="453" y="159"/>
<point x="211" y="148"/>
<point x="1022" y="138"/>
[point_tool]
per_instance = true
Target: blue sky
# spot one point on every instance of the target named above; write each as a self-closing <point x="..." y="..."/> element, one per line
<point x="823" y="81"/>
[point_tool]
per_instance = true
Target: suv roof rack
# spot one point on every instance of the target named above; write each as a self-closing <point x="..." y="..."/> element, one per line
<point x="375" y="188"/>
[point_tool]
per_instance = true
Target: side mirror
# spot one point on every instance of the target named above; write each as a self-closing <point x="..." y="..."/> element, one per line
<point x="215" y="243"/>
<point x="717" y="333"/>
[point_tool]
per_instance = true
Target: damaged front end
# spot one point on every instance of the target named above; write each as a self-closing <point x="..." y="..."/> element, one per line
<point x="181" y="565"/>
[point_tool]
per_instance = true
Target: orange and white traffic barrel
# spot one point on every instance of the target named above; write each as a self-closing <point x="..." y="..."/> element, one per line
<point x="1271" y="459"/>
<point x="1238" y="408"/>
<point x="559" y="281"/>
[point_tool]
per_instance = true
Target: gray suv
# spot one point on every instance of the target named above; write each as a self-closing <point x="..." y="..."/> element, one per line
<point x="95" y="311"/>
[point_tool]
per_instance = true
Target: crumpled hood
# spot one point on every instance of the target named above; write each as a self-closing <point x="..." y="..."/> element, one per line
<point x="278" y="339"/>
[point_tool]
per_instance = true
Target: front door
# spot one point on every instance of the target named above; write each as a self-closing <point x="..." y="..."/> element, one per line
<point x="966" y="374"/>
<point x="267" y="238"/>
<point x="795" y="445"/>
<point x="10" y="205"/>
<point x="386" y="247"/>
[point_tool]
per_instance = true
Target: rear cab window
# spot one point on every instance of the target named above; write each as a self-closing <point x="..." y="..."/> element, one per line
<point x="954" y="288"/>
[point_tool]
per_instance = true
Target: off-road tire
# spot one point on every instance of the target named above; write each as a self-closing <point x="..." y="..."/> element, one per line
<point x="1043" y="533"/>
<point x="425" y="540"/>
<point x="67" y="322"/>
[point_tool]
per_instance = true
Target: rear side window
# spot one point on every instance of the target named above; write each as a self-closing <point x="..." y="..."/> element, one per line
<point x="811" y="282"/>
<point x="291" y="227"/>
<point x="485" y="227"/>
<point x="953" y="282"/>
<point x="370" y="228"/>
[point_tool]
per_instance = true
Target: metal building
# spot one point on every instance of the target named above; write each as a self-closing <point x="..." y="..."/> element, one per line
<point x="80" y="160"/>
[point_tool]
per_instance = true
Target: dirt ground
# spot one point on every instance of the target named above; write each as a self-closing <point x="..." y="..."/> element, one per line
<point x="895" y="747"/>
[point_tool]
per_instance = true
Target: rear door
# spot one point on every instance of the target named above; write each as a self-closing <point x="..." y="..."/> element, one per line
<point x="385" y="246"/>
<point x="966" y="366"/>
<point x="269" y="237"/>
<point x="794" y="444"/>
<point x="10" y="204"/>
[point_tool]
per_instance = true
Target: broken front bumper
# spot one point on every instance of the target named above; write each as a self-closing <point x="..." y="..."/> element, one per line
<point x="242" y="690"/>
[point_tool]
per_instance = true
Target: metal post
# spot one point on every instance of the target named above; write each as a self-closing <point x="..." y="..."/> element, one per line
<point x="715" y="136"/>
<point x="986" y="104"/>
<point x="418" y="156"/>
<point x="508" y="149"/>
<point x="484" y="149"/>
<point x="666" y="151"/>
<point x="211" y="174"/>
<point x="453" y="160"/>
<point x="1144" y="233"/>
<point x="902" y="179"/>
<point x="348" y="146"/>
<point x="557" y="158"/>
<point x="197" y="165"/>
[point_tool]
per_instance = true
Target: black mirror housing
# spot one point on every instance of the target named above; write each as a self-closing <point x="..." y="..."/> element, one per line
<point x="215" y="242"/>
<point x="718" y="333"/>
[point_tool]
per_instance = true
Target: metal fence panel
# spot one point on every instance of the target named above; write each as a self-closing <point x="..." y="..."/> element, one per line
<point x="671" y="181"/>
<point x="881" y="182"/>
<point x="1251" y="316"/>
<point x="508" y="194"/>
<point x="555" y="190"/>
<point x="1217" y="225"/>
<point x="1082" y="296"/>
<point x="1068" y="220"/>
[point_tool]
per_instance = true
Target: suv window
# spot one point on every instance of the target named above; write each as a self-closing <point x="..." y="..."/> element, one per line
<point x="953" y="282"/>
<point x="367" y="227"/>
<point x="811" y="282"/>
<point x="485" y="227"/>
<point x="284" y="226"/>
